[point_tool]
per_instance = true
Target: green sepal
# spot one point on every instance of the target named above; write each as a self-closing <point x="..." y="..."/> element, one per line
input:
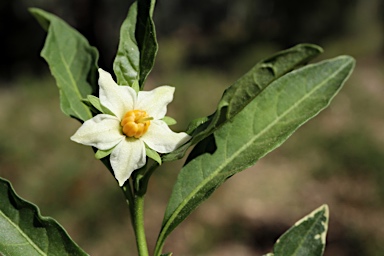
<point x="95" y="102"/>
<point x="136" y="86"/>
<point x="103" y="153"/>
<point x="169" y="120"/>
<point x="94" y="110"/>
<point x="152" y="154"/>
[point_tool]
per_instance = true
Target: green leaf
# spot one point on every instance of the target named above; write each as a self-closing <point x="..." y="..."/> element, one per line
<point x="127" y="62"/>
<point x="307" y="237"/>
<point x="25" y="232"/>
<point x="260" y="127"/>
<point x="138" y="46"/>
<point x="244" y="90"/>
<point x="72" y="61"/>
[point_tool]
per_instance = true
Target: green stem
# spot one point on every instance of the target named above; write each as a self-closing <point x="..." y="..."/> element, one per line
<point x="134" y="193"/>
<point x="138" y="225"/>
<point x="127" y="190"/>
<point x="143" y="183"/>
<point x="136" y="209"/>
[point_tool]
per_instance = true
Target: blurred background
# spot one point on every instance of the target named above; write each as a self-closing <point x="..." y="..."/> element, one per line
<point x="337" y="158"/>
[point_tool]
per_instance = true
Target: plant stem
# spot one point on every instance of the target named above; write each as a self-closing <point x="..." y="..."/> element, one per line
<point x="138" y="225"/>
<point x="129" y="196"/>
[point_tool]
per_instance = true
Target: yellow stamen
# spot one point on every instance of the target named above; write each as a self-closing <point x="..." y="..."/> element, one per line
<point x="135" y="123"/>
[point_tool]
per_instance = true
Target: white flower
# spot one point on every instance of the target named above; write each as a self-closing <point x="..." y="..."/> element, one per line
<point x="136" y="122"/>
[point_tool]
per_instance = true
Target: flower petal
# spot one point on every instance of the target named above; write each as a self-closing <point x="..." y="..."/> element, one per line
<point x="101" y="131"/>
<point x="119" y="99"/>
<point x="126" y="157"/>
<point x="162" y="139"/>
<point x="155" y="102"/>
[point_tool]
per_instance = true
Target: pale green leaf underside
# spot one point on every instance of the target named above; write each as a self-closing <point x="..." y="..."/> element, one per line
<point x="24" y="232"/>
<point x="127" y="60"/>
<point x="307" y="237"/>
<point x="72" y="62"/>
<point x="261" y="126"/>
<point x="137" y="47"/>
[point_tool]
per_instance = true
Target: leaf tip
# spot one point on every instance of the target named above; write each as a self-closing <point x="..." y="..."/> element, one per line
<point x="40" y="16"/>
<point x="33" y="10"/>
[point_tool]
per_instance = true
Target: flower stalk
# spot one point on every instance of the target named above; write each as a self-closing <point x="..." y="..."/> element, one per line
<point x="138" y="225"/>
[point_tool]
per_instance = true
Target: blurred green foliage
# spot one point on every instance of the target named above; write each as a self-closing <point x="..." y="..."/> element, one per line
<point x="213" y="32"/>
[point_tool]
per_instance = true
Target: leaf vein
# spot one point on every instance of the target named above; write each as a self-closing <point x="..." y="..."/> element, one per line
<point x="251" y="141"/>
<point x="29" y="241"/>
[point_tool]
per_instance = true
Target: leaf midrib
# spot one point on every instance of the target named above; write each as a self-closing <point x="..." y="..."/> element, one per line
<point x="72" y="80"/>
<point x="222" y="166"/>
<point x="23" y="234"/>
<point x="315" y="222"/>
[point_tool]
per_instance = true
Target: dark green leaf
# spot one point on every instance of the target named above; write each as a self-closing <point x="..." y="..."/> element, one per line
<point x="244" y="90"/>
<point x="23" y="231"/>
<point x="307" y="237"/>
<point x="72" y="61"/>
<point x="260" y="127"/>
<point x="146" y="38"/>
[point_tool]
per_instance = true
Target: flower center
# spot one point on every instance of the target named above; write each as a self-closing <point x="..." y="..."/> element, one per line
<point x="135" y="123"/>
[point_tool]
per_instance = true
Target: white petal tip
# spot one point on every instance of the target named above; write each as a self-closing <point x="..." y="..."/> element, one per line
<point x="75" y="138"/>
<point x="121" y="182"/>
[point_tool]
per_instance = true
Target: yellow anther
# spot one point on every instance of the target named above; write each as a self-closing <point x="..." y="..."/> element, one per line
<point x="135" y="123"/>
